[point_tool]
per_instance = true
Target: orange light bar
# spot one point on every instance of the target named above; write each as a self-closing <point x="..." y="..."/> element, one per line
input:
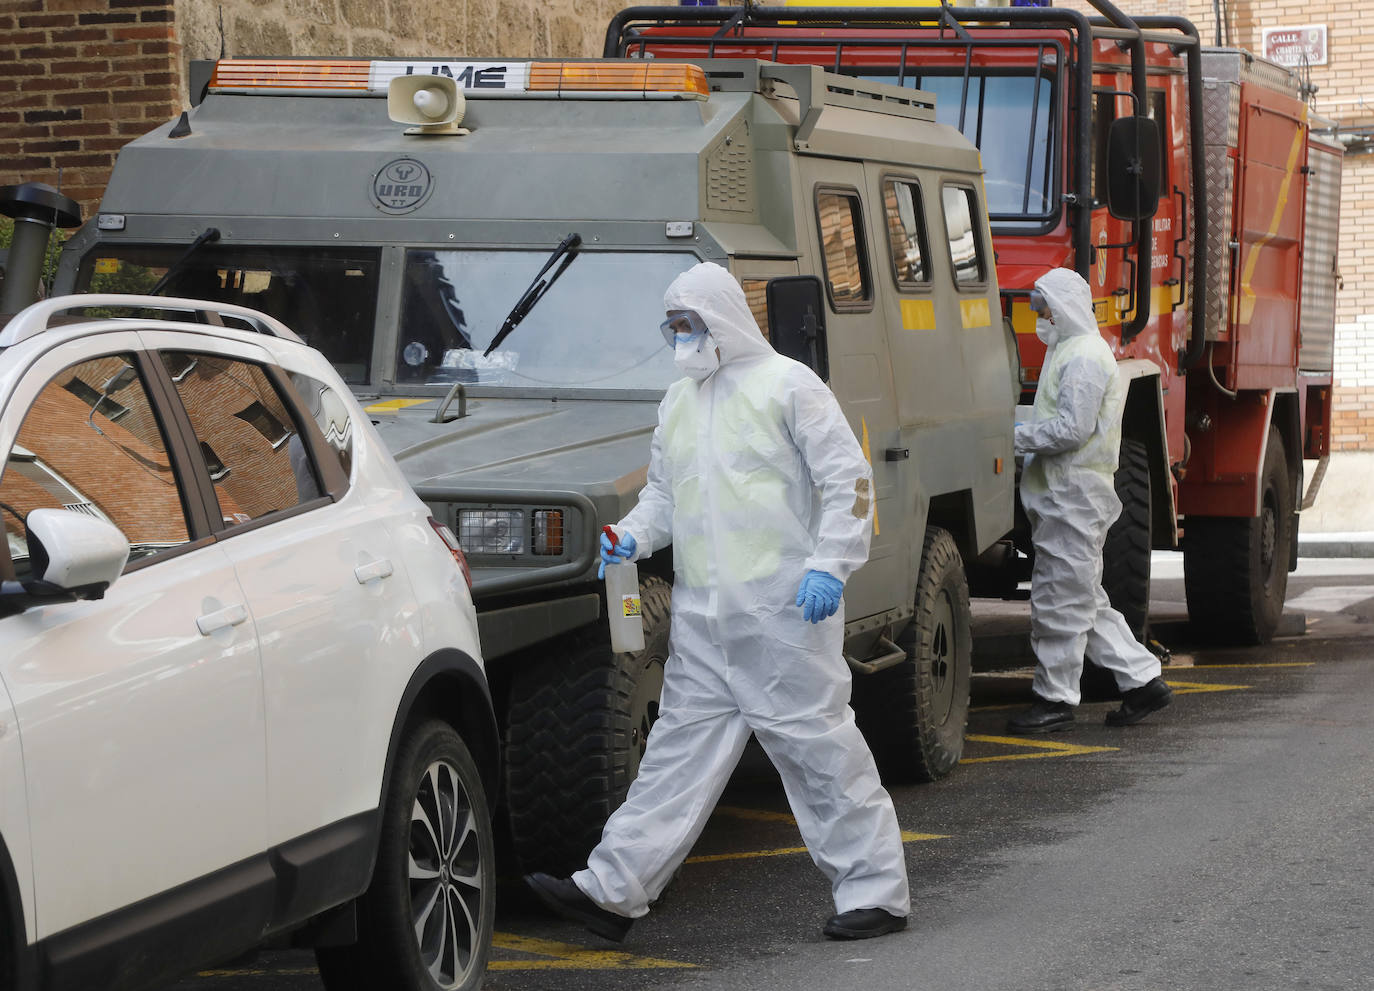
<point x="311" y="75"/>
<point x="644" y="77"/>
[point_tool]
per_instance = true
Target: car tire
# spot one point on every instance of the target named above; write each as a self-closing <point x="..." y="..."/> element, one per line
<point x="914" y="713"/>
<point x="578" y="726"/>
<point x="439" y="881"/>
<point x="1235" y="569"/>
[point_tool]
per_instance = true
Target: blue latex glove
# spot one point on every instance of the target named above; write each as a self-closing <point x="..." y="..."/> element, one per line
<point x="617" y="553"/>
<point x="819" y="596"/>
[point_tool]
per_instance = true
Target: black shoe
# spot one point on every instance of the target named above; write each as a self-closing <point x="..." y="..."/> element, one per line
<point x="565" y="898"/>
<point x="863" y="923"/>
<point x="1138" y="703"/>
<point x="1042" y="717"/>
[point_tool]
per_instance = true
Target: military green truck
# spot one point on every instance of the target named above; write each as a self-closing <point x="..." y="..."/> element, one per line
<point x="491" y="285"/>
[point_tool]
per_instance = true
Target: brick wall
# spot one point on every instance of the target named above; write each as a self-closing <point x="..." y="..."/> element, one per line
<point x="78" y="79"/>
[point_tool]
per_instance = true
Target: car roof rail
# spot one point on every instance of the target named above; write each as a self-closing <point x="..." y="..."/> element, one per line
<point x="36" y="318"/>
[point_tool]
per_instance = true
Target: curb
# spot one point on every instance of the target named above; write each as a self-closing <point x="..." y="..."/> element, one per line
<point x="1352" y="544"/>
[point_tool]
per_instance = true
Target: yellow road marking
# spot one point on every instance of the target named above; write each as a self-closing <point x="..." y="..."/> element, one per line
<point x="392" y="405"/>
<point x="566" y="956"/>
<point x="1194" y="687"/>
<point x="762" y="815"/>
<point x="283" y="972"/>
<point x="1266" y="664"/>
<point x="1047" y="748"/>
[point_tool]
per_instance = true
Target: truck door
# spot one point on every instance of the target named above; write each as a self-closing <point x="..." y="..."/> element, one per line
<point x="839" y="221"/>
<point x="1270" y="187"/>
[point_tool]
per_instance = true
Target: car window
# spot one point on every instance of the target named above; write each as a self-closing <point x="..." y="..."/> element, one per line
<point x="961" y="212"/>
<point x="91" y="443"/>
<point x="253" y="454"/>
<point x="842" y="246"/>
<point x="330" y="413"/>
<point x="906" y="231"/>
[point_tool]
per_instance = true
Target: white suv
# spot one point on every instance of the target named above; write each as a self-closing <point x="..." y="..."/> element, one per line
<point x="242" y="689"/>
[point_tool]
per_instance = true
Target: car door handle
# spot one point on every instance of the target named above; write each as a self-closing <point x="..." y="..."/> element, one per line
<point x="373" y="569"/>
<point x="213" y="622"/>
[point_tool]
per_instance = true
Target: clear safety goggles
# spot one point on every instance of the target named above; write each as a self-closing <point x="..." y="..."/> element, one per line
<point x="1038" y="303"/>
<point x="684" y="325"/>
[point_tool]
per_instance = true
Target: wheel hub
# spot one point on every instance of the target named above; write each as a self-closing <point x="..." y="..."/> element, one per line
<point x="445" y="875"/>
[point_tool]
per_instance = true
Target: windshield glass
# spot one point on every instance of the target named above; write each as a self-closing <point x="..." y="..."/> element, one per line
<point x="326" y="295"/>
<point x="595" y="328"/>
<point x="1011" y="120"/>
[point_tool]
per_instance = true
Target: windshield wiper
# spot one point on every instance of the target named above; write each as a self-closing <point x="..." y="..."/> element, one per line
<point x="206" y="236"/>
<point x="567" y="251"/>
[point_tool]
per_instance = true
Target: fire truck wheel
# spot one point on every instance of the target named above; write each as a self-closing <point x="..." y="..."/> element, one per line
<point x="1126" y="561"/>
<point x="914" y="713"/>
<point x="578" y="723"/>
<point x="1235" y="570"/>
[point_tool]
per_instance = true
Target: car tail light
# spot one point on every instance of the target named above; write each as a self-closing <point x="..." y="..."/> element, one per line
<point x="451" y="542"/>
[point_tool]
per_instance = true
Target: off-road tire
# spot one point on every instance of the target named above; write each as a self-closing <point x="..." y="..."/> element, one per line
<point x="433" y="768"/>
<point x="1125" y="562"/>
<point x="1235" y="570"/>
<point x="578" y="726"/>
<point x="914" y="713"/>
<point x="1126" y="553"/>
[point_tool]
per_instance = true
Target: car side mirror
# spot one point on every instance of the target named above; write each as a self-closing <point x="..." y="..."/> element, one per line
<point x="796" y="320"/>
<point x="72" y="556"/>
<point x="1133" y="168"/>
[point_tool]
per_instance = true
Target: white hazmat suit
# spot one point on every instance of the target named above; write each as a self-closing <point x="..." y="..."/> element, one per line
<point x="755" y="478"/>
<point x="1072" y="444"/>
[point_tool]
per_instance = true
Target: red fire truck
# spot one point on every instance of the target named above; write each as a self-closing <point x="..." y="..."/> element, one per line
<point x="1190" y="186"/>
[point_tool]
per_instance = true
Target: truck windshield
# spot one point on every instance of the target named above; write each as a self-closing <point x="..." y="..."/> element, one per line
<point x="326" y="295"/>
<point x="596" y="328"/>
<point x="1010" y="118"/>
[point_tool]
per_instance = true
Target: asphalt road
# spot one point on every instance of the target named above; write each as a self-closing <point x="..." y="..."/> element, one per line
<point x="1226" y="843"/>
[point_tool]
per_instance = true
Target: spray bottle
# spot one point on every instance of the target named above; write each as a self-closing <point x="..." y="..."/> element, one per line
<point x="623" y="603"/>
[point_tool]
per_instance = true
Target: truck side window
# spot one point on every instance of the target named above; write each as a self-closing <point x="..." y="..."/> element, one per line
<point x="1104" y="112"/>
<point x="906" y="232"/>
<point x="842" y="246"/>
<point x="1155" y="111"/>
<point x="91" y="443"/>
<point x="965" y="251"/>
<point x="257" y="460"/>
<point x="756" y="294"/>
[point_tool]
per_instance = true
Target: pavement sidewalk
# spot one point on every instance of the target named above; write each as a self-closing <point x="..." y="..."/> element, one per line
<point x="1341" y="520"/>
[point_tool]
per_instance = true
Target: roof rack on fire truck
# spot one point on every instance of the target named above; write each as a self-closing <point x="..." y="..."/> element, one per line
<point x="38" y="317"/>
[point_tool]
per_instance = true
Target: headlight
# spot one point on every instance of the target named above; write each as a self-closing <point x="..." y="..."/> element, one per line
<point x="491" y="531"/>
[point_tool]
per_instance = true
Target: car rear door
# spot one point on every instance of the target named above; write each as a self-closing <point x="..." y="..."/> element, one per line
<point x="337" y="621"/>
<point x="140" y="715"/>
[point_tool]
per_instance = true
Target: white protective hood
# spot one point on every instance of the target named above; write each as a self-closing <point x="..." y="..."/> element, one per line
<point x="715" y="296"/>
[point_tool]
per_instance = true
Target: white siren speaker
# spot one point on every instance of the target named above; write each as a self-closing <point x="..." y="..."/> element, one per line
<point x="435" y="103"/>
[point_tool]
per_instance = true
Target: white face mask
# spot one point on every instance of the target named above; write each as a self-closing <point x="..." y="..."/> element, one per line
<point x="1046" y="331"/>
<point x="696" y="356"/>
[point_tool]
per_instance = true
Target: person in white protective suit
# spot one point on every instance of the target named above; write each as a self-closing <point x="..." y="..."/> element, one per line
<point x="1071" y="446"/>
<point x="756" y="480"/>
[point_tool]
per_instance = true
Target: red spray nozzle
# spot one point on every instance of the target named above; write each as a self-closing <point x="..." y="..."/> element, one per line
<point x="611" y="534"/>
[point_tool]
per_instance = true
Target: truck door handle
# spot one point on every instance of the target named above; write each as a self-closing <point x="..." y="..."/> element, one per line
<point x="213" y="622"/>
<point x="373" y="569"/>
